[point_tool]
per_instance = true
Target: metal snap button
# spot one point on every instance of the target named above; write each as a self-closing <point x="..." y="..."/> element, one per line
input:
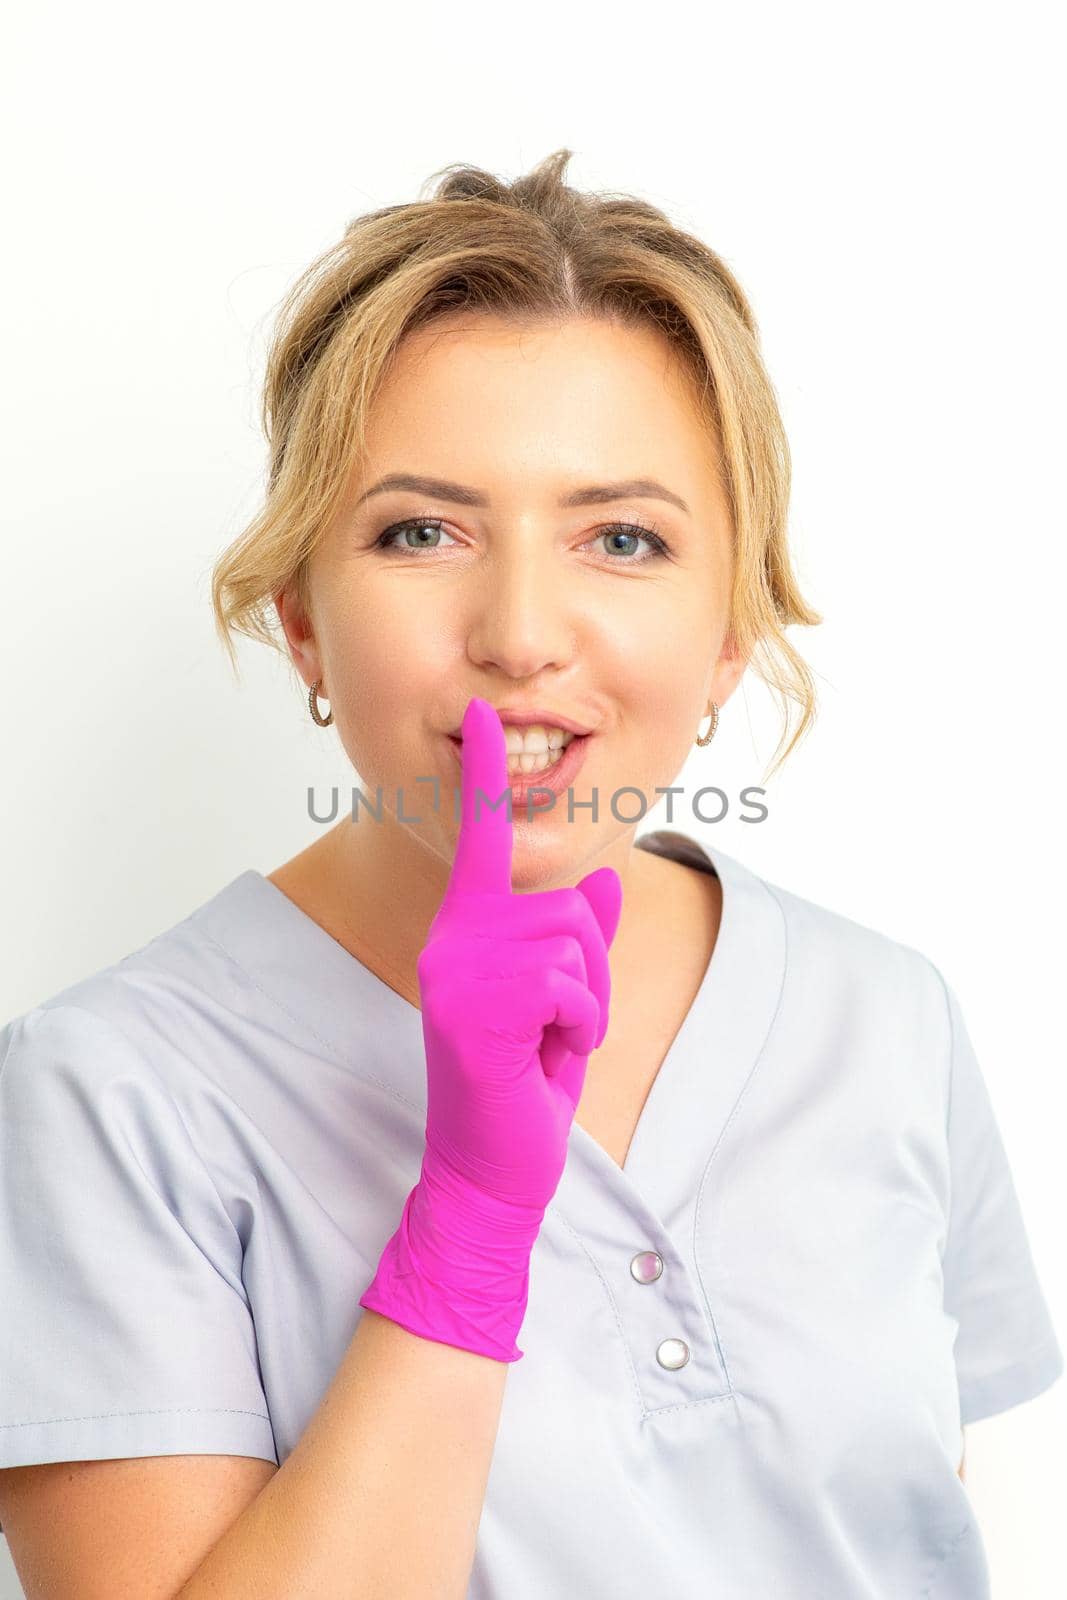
<point x="672" y="1354"/>
<point x="646" y="1266"/>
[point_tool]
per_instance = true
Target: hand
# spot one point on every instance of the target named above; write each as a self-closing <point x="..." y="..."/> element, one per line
<point x="515" y="993"/>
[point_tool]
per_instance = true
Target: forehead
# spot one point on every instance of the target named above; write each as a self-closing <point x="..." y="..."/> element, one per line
<point x="561" y="396"/>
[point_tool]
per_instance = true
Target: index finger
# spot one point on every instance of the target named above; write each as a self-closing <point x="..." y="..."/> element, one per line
<point x="484" y="846"/>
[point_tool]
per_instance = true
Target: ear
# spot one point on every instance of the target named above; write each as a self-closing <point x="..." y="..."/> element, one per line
<point x="299" y="634"/>
<point x="728" y="671"/>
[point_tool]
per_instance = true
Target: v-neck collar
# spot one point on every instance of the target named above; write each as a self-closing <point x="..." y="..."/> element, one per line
<point x="378" y="1033"/>
<point x="703" y="1076"/>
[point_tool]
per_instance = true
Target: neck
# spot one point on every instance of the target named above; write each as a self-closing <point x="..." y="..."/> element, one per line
<point x="376" y="887"/>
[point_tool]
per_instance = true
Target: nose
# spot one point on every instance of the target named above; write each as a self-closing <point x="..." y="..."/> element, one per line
<point x="519" y="611"/>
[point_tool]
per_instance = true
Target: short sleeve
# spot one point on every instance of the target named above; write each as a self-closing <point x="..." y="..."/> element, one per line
<point x="125" y="1328"/>
<point x="1006" y="1347"/>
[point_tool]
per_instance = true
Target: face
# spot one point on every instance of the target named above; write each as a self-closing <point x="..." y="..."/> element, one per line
<point x="613" y="612"/>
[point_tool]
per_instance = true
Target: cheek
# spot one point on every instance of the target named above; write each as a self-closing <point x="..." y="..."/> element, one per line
<point x="384" y="668"/>
<point x="386" y="649"/>
<point x="659" y="682"/>
<point x="662" y="664"/>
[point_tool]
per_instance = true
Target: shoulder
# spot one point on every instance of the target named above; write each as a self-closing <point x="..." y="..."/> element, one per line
<point x="150" y="1013"/>
<point x="847" y="963"/>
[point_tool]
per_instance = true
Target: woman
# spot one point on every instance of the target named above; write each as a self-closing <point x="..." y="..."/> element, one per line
<point x="723" y="1158"/>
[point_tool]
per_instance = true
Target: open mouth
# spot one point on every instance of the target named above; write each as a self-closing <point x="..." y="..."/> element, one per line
<point x="556" y="779"/>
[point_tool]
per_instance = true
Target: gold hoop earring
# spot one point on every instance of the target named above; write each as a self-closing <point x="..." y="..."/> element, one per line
<point x="323" y="722"/>
<point x="713" y="713"/>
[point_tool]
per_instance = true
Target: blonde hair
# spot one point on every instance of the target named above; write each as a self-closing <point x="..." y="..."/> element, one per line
<point x="534" y="248"/>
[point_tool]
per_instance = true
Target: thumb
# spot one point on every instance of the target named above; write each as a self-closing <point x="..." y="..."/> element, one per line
<point x="603" y="890"/>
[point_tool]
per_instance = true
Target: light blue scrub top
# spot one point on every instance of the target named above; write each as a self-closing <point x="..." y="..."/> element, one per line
<point x="748" y="1352"/>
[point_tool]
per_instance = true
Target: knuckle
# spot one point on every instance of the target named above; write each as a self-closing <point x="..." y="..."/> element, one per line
<point x="573" y="953"/>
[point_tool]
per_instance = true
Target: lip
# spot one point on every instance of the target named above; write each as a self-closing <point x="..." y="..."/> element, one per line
<point x="557" y="779"/>
<point x="526" y="719"/>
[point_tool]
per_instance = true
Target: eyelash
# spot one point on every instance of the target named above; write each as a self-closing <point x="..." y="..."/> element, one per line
<point x="660" y="548"/>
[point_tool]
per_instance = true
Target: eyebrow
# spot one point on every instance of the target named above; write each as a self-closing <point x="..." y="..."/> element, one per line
<point x="593" y="494"/>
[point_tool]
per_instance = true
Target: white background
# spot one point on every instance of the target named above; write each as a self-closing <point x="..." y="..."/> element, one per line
<point x="881" y="179"/>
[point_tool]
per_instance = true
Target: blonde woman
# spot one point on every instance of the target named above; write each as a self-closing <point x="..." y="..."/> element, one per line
<point x="289" y="1308"/>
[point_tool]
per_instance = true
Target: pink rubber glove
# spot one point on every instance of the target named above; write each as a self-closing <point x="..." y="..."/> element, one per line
<point x="515" y="991"/>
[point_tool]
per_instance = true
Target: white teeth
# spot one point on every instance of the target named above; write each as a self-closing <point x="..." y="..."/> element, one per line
<point x="521" y="765"/>
<point x="534" y="749"/>
<point x="534" y="740"/>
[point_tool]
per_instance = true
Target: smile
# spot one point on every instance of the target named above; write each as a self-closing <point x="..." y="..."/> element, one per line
<point x="547" y="758"/>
